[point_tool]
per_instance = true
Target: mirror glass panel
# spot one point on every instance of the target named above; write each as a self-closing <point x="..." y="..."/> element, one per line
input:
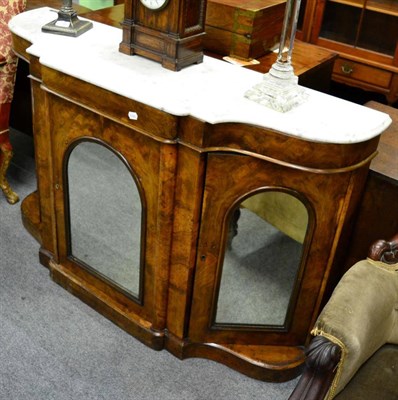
<point x="105" y="214"/>
<point x="262" y="259"/>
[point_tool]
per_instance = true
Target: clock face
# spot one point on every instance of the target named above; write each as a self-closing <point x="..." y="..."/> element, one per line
<point x="154" y="4"/>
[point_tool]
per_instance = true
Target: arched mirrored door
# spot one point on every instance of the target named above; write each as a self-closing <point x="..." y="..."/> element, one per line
<point x="261" y="260"/>
<point x="105" y="216"/>
<point x="255" y="246"/>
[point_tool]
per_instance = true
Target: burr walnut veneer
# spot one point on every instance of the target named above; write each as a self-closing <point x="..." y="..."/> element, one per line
<point x="195" y="149"/>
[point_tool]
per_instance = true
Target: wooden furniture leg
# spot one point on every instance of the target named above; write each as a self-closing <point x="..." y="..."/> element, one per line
<point x="6" y="153"/>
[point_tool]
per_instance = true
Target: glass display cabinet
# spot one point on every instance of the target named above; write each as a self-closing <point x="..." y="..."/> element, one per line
<point x="364" y="33"/>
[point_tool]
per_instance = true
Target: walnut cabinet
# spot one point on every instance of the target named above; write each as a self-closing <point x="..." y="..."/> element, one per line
<point x="216" y="240"/>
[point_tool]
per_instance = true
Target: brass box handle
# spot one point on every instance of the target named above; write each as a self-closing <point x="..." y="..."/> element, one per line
<point x="347" y="69"/>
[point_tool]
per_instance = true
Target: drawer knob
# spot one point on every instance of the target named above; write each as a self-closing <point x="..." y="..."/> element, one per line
<point x="347" y="69"/>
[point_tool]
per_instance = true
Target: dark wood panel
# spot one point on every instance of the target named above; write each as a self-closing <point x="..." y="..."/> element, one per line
<point x="377" y="215"/>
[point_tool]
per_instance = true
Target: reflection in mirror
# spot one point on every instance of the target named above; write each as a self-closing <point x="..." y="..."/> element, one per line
<point x="105" y="215"/>
<point x="262" y="259"/>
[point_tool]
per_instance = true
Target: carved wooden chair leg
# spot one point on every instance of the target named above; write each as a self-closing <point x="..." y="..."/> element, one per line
<point x="233" y="227"/>
<point x="6" y="154"/>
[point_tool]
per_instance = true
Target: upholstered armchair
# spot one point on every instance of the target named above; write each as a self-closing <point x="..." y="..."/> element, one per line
<point x="354" y="354"/>
<point x="8" y="67"/>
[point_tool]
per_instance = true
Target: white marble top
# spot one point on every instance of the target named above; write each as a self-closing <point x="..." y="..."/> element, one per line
<point x="212" y="91"/>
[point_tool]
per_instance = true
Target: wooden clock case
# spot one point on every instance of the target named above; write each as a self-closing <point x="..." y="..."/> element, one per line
<point x="172" y="35"/>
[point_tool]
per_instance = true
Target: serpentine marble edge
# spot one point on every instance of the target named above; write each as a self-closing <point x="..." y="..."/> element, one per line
<point x="212" y="91"/>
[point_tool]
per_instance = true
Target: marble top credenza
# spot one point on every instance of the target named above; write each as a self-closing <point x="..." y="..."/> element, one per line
<point x="193" y="218"/>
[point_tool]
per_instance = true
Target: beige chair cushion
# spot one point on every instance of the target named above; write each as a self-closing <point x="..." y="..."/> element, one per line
<point x="361" y="316"/>
<point x="376" y="379"/>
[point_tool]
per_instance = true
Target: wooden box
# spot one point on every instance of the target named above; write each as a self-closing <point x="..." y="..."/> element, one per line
<point x="243" y="28"/>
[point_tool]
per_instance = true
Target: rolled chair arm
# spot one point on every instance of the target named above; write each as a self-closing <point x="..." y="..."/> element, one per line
<point x="361" y="316"/>
<point x="321" y="363"/>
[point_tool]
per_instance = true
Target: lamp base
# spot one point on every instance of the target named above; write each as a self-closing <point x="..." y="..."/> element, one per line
<point x="279" y="89"/>
<point x="67" y="24"/>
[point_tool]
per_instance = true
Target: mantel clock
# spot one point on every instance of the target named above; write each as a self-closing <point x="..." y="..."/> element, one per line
<point x="167" y="31"/>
